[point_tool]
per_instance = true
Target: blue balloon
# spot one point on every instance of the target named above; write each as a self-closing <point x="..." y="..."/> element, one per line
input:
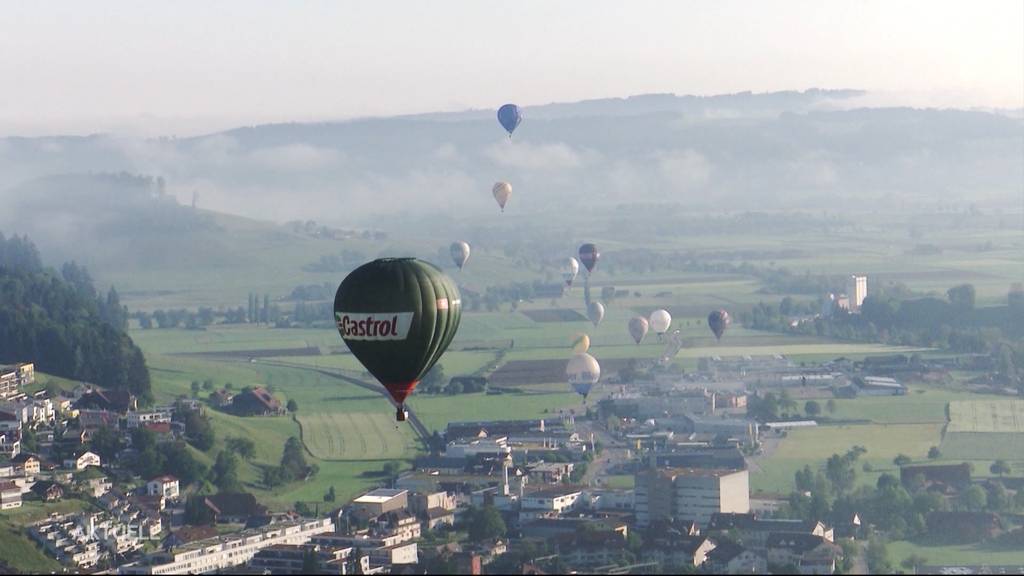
<point x="582" y="388"/>
<point x="509" y="117"/>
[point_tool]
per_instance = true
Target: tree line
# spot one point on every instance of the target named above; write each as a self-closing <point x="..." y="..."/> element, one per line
<point x="59" y="322"/>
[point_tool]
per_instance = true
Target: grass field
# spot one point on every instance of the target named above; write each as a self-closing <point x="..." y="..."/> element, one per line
<point x="999" y="416"/>
<point x="985" y="430"/>
<point x="957" y="555"/>
<point x="355" y="436"/>
<point x="812" y="446"/>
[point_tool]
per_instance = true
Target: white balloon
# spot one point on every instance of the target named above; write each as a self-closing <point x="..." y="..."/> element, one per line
<point x="660" y="321"/>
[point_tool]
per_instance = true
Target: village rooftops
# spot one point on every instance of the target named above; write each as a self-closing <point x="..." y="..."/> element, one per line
<point x="555" y="491"/>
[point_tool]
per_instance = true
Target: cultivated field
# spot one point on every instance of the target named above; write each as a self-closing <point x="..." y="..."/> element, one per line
<point x="355" y="436"/>
<point x="1000" y="416"/>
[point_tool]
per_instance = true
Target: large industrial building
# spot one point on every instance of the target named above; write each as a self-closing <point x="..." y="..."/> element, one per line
<point x="690" y="494"/>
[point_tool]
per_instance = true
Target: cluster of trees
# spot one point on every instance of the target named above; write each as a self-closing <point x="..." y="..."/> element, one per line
<point x="59" y="322"/>
<point x="198" y="428"/>
<point x="293" y="466"/>
<point x="771" y="406"/>
<point x="435" y="382"/>
<point x="205" y="316"/>
<point x="313" y="292"/>
<point x="900" y="511"/>
<point x="495" y="296"/>
<point x="151" y="459"/>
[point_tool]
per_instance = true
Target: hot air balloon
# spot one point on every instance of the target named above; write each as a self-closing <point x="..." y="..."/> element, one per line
<point x="718" y="321"/>
<point x="660" y="320"/>
<point x="569" y="270"/>
<point x="397" y="316"/>
<point x="509" y="117"/>
<point x="583" y="372"/>
<point x="589" y="256"/>
<point x="460" y="253"/>
<point x="595" y="311"/>
<point x="580" y="343"/>
<point x="638" y="328"/>
<point x="502" y="191"/>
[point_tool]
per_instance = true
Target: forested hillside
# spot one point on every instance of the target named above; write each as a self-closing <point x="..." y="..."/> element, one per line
<point x="59" y="322"/>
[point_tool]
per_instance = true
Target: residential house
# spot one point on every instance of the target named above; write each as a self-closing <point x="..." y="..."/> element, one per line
<point x="755" y="531"/>
<point x="13" y="378"/>
<point x="221" y="398"/>
<point x="790" y="548"/>
<point x="730" y="558"/>
<point x="166" y="486"/>
<point x="82" y="460"/>
<point x="10" y="443"/>
<point x="10" y="495"/>
<point x="118" y="401"/>
<point x="137" y="418"/>
<point x="678" y="550"/>
<point x="550" y="473"/>
<point x="951" y="477"/>
<point x="256" y="401"/>
<point x="401" y="523"/>
<point x="93" y="482"/>
<point x="48" y="491"/>
<point x="234" y="508"/>
<point x="963" y="527"/>
<point x="26" y="464"/>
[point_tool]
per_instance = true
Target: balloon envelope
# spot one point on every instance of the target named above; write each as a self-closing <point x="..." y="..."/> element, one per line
<point x="583" y="372"/>
<point x="502" y="191"/>
<point x="569" y="270"/>
<point x="589" y="256"/>
<point x="509" y="117"/>
<point x="580" y="343"/>
<point x="397" y="316"/>
<point x="638" y="328"/>
<point x="718" y="321"/>
<point x="595" y="311"/>
<point x="660" y="321"/>
<point x="460" y="253"/>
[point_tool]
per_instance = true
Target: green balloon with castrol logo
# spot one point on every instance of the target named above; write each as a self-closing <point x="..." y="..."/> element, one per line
<point x="397" y="316"/>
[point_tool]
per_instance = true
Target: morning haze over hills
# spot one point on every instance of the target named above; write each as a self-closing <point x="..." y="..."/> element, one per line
<point x="811" y="151"/>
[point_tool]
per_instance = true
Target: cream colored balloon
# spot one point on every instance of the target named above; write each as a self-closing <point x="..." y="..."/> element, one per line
<point x="502" y="191"/>
<point x="580" y="343"/>
<point x="660" y="321"/>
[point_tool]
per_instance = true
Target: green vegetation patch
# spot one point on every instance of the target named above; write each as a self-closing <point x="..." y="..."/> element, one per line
<point x="986" y="416"/>
<point x="355" y="436"/>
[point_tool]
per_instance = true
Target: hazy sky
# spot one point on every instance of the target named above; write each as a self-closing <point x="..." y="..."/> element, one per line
<point x="186" y="66"/>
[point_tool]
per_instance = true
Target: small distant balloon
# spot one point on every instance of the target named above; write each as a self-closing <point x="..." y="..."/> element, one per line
<point x="718" y="321"/>
<point x="595" y="311"/>
<point x="589" y="256"/>
<point x="580" y="343"/>
<point x="569" y="270"/>
<point x="583" y="372"/>
<point x="509" y="117"/>
<point x="638" y="328"/>
<point x="502" y="191"/>
<point x="460" y="253"/>
<point x="660" y="320"/>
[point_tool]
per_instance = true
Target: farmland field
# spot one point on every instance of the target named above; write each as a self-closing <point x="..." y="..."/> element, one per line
<point x="355" y="436"/>
<point x="985" y="430"/>
<point x="1001" y="416"/>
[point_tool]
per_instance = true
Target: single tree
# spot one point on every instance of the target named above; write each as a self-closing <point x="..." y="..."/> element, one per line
<point x="292" y="405"/>
<point x="999" y="468"/>
<point x="934" y="453"/>
<point x="901" y="460"/>
<point x="812" y="408"/>
<point x="831" y="406"/>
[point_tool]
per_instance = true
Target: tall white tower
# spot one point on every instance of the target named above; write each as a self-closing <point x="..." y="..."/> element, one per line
<point x="857" y="290"/>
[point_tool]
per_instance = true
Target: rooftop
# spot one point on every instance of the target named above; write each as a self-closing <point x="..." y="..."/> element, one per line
<point x="379" y="496"/>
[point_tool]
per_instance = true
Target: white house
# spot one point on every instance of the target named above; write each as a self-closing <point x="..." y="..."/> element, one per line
<point x="82" y="461"/>
<point x="10" y="495"/>
<point x="166" y="486"/>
